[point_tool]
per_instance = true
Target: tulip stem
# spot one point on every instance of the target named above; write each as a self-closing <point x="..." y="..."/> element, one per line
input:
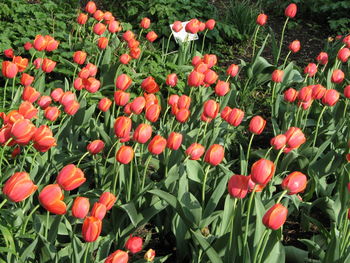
<point x="145" y="171"/>
<point x="268" y="151"/>
<point x="278" y="156"/>
<point x="27" y="219"/>
<point x="4" y="98"/>
<point x="13" y="87"/>
<point x="3" y="202"/>
<point x="264" y="245"/>
<point x="247" y="222"/>
<point x="282" y="37"/>
<point x="248" y="152"/>
<point x="86" y="251"/>
<point x="82" y="157"/>
<point x="286" y="59"/>
<point x="254" y="41"/>
<point x="115" y="179"/>
<point x="345" y="108"/>
<point x="205" y="34"/>
<point x="281" y="196"/>
<point x="259" y="246"/>
<point x="2" y="155"/>
<point x="47" y="223"/>
<point x="204" y="184"/>
<point x="167" y="47"/>
<point x="317" y="125"/>
<point x="232" y="222"/>
<point x="130" y="183"/>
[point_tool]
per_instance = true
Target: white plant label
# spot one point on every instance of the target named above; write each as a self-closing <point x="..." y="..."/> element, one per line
<point x="182" y="36"/>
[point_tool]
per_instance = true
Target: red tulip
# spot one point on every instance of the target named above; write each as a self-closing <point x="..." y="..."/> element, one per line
<point x="177" y="26"/>
<point x="122" y="127"/>
<point x="95" y="146"/>
<point x="344" y="54"/>
<point x="26" y="79"/>
<point x="210" y="24"/>
<point x="330" y="97"/>
<point x="81" y="207"/>
<point x="99" y="28"/>
<point x="9" y="69"/>
<point x="48" y="65"/>
<point x="133" y="43"/>
<point x="337" y="76"/>
<point x="196" y="60"/>
<point x="30" y="94"/>
<point x="21" y="63"/>
<point x="92" y="85"/>
<point x="210" y="77"/>
<point x="123" y="82"/>
<point x="238" y="186"/>
<point x="27" y="110"/>
<point x="305" y="94"/>
<point x="211" y="109"/>
<point x="134" y="244"/>
<point x="128" y="35"/>
<point x="277" y="76"/>
<point x="79" y="57"/>
<point x="257" y="125"/>
<point x="261" y="19"/>
<point x="322" y="58"/>
<point x="318" y="91"/>
<point x="124" y="59"/>
<point x="149" y="85"/>
<point x="91" y="230"/>
<point x="90" y="7"/>
<point x="118" y="256"/>
<point x="232" y="70"/>
<point x="225" y="113"/>
<point x="51" y="43"/>
<point x="121" y="98"/>
<point x="347" y="91"/>
<point x="291" y="10"/>
<point x="22" y="131"/>
<point x="102" y="42"/>
<point x="151" y="36"/>
<point x="125" y="154"/>
<point x="9" y="53"/>
<point x="152" y="112"/>
<point x="171" y="80"/>
<point x="290" y="95"/>
<point x="137" y="105"/>
<point x="195" y="79"/>
<point x="108" y="17"/>
<point x="174" y="141"/>
<point x="157" y="145"/>
<point x="192" y="26"/>
<point x="104" y="104"/>
<point x="51" y="198"/>
<point x="16" y="151"/>
<point x="214" y="155"/>
<point x="143" y="133"/>
<point x="182" y="115"/>
<point x="262" y="171"/>
<point x="294" y="183"/>
<point x="210" y="60"/>
<point x="145" y="23"/>
<point x="114" y="26"/>
<point x="235" y="118"/>
<point x="294" y="46"/>
<point x="67" y="97"/>
<point x="39" y="43"/>
<point x="108" y="199"/>
<point x="275" y="217"/>
<point x="70" y="177"/>
<point x="311" y="69"/>
<point x="43" y="139"/>
<point x="222" y="88"/>
<point x="295" y="137"/>
<point x="52" y="113"/>
<point x="135" y="53"/>
<point x="99" y="211"/>
<point x="19" y="187"/>
<point x="27" y="46"/>
<point x="38" y="62"/>
<point x="57" y="94"/>
<point x="279" y="141"/>
<point x="195" y="151"/>
<point x="82" y="19"/>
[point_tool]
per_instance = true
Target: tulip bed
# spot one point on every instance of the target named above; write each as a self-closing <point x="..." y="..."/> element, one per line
<point x="132" y="152"/>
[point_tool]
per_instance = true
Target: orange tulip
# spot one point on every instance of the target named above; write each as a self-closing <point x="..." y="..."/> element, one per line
<point x="90" y="7"/>
<point x="95" y="146"/>
<point x="99" y="28"/>
<point x="177" y="26"/>
<point x="291" y="10"/>
<point x="238" y="186"/>
<point x="122" y="127"/>
<point x="123" y="82"/>
<point x="290" y="95"/>
<point x="195" y="79"/>
<point x="99" y="211"/>
<point x="102" y="42"/>
<point x="48" y="65"/>
<point x="214" y="155"/>
<point x="71" y="107"/>
<point x="134" y="244"/>
<point x="82" y="19"/>
<point x="26" y="79"/>
<point x="104" y="104"/>
<point x="39" y="43"/>
<point x="51" y="199"/>
<point x="262" y="171"/>
<point x="91" y="230"/>
<point x="118" y="256"/>
<point x="222" y="88"/>
<point x="70" y="177"/>
<point x="261" y="19"/>
<point x="151" y="36"/>
<point x="330" y="97"/>
<point x="43" y="139"/>
<point x="174" y="141"/>
<point x="294" y="183"/>
<point x="21" y="63"/>
<point x="149" y="85"/>
<point x="79" y="57"/>
<point x="52" y="113"/>
<point x="125" y="154"/>
<point x="57" y="94"/>
<point x="277" y="76"/>
<point x="145" y="23"/>
<point x="195" y="151"/>
<point x="108" y="199"/>
<point x="275" y="217"/>
<point x="121" y="98"/>
<point x="257" y="125"/>
<point x="9" y="69"/>
<point x="81" y="207"/>
<point x="30" y="94"/>
<point x="143" y="133"/>
<point x="19" y="187"/>
<point x="157" y="145"/>
<point x="152" y="112"/>
<point x="22" y="131"/>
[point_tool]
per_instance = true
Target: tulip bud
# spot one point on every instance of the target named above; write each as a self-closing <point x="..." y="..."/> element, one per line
<point x="9" y="53"/>
<point x="262" y="171"/>
<point x="43" y="139"/>
<point x="99" y="211"/>
<point x="151" y="36"/>
<point x="261" y="19"/>
<point x="295" y="137"/>
<point x="27" y="46"/>
<point x="52" y="113"/>
<point x="171" y="80"/>
<point x="182" y="115"/>
<point x="51" y="199"/>
<point x="137" y="105"/>
<point x="19" y="187"/>
<point x="104" y="104"/>
<point x="305" y="94"/>
<point x="90" y="7"/>
<point x="150" y="255"/>
<point x="290" y="95"/>
<point x="318" y="91"/>
<point x="275" y="217"/>
<point x="123" y="82"/>
<point x="26" y="79"/>
<point x="177" y="26"/>
<point x="124" y="59"/>
<point x="195" y="151"/>
<point x="174" y="141"/>
<point x="214" y="155"/>
<point x="9" y="69"/>
<point x="291" y="10"/>
<point x="81" y="207"/>
<point x="108" y="199"/>
<point x="70" y="177"/>
<point x="238" y="186"/>
<point x="322" y="58"/>
<point x="30" y="94"/>
<point x="157" y="145"/>
<point x="125" y="154"/>
<point x="330" y="97"/>
<point x="278" y="142"/>
<point x="134" y="244"/>
<point x="27" y="110"/>
<point x="337" y="76"/>
<point x="95" y="146"/>
<point x="102" y="42"/>
<point x="222" y="88"/>
<point x="152" y="112"/>
<point x="143" y="133"/>
<point x="294" y="46"/>
<point x="57" y="94"/>
<point x="257" y="125"/>
<point x="118" y="256"/>
<point x="277" y="76"/>
<point x="235" y="118"/>
<point x="210" y="24"/>
<point x="48" y="65"/>
<point x="232" y="70"/>
<point x="22" y="131"/>
<point x="145" y="23"/>
<point x="294" y="183"/>
<point x="82" y="19"/>
<point x="344" y="54"/>
<point x="99" y="28"/>
<point x="195" y="79"/>
<point x="122" y="127"/>
<point x="91" y="230"/>
<point x="149" y="85"/>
